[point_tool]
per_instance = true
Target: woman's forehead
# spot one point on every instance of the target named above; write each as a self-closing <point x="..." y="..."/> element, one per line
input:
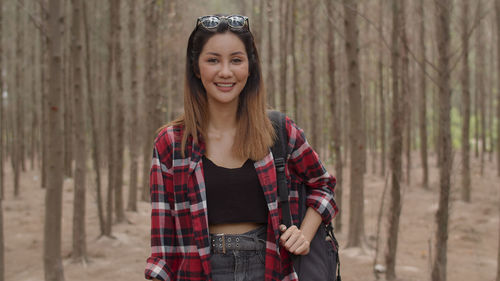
<point x="224" y="44"/>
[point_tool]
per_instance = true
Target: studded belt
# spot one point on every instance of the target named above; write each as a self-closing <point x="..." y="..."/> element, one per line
<point x="221" y="243"/>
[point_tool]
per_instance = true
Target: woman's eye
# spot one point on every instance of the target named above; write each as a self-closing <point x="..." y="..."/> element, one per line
<point x="212" y="60"/>
<point x="237" y="60"/>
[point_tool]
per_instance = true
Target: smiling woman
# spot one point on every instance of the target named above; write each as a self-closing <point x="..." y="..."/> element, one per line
<point x="215" y="213"/>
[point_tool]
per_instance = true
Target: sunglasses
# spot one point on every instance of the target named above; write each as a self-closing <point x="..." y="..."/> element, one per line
<point x="234" y="21"/>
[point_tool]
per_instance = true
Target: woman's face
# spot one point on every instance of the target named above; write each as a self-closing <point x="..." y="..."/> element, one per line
<point x="223" y="65"/>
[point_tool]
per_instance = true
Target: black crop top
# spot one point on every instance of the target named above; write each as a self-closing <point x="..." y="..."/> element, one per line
<point x="234" y="195"/>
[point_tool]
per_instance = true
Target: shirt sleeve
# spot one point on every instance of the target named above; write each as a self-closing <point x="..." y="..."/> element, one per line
<point x="305" y="163"/>
<point x="161" y="263"/>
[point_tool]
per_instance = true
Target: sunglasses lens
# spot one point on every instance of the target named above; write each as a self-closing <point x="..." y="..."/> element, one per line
<point x="210" y="21"/>
<point x="236" y="21"/>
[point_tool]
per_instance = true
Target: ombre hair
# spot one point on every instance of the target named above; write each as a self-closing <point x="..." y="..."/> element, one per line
<point x="254" y="134"/>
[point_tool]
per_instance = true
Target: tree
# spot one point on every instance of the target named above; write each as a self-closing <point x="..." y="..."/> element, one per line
<point x="465" y="82"/>
<point x="380" y="67"/>
<point x="2" y="255"/>
<point x="134" y="127"/>
<point x="396" y="141"/>
<point x="423" y="98"/>
<point x="356" y="205"/>
<point x="270" y="71"/>
<point x="335" y="131"/>
<point x="93" y="123"/>
<point x="79" y="233"/>
<point x="443" y="9"/>
<point x="497" y="11"/>
<point x="53" y="197"/>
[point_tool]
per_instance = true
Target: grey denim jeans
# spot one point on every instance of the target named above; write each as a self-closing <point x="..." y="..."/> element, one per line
<point x="240" y="265"/>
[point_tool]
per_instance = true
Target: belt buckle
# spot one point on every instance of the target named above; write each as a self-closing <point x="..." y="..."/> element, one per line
<point x="223" y="238"/>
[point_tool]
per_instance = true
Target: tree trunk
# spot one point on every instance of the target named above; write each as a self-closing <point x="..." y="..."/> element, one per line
<point x="465" y="81"/>
<point x="295" y="71"/>
<point x="270" y="71"/>
<point x="79" y="233"/>
<point x="313" y="88"/>
<point x="405" y="91"/>
<point x="53" y="266"/>
<point x="119" y="115"/>
<point x="2" y="243"/>
<point x="443" y="8"/>
<point x="380" y="68"/>
<point x="356" y="205"/>
<point x="133" y="140"/>
<point x="396" y="141"/>
<point x="335" y="131"/>
<point x="18" y="130"/>
<point x="480" y="84"/>
<point x="284" y="8"/>
<point x="110" y="113"/>
<point x="497" y="11"/>
<point x="93" y="125"/>
<point x="423" y="99"/>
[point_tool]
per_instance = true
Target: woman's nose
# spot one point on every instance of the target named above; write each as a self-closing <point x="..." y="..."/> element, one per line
<point x="225" y="71"/>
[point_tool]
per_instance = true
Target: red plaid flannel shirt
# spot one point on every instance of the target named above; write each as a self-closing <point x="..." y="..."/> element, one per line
<point x="180" y="247"/>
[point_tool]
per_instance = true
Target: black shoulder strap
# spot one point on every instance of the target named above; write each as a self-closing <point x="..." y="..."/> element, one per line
<point x="279" y="153"/>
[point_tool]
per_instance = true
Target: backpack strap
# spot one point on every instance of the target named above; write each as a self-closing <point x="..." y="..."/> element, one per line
<point x="279" y="153"/>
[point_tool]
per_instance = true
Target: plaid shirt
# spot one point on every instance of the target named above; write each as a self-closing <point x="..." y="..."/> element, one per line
<point x="180" y="243"/>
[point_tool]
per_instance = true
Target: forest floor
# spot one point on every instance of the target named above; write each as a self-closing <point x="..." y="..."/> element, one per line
<point x="472" y="245"/>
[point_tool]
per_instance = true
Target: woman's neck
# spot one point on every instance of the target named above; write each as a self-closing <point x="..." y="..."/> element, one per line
<point x="221" y="118"/>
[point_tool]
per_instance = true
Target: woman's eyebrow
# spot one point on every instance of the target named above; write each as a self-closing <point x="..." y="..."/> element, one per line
<point x="232" y="54"/>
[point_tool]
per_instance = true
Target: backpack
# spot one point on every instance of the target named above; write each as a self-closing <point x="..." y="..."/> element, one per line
<point x="322" y="262"/>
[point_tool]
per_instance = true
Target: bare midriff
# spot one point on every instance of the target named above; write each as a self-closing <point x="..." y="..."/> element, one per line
<point x="233" y="228"/>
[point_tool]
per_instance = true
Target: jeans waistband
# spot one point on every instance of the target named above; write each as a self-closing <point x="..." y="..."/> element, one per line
<point x="253" y="240"/>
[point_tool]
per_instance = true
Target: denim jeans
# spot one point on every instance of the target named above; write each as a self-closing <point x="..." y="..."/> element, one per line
<point x="241" y="265"/>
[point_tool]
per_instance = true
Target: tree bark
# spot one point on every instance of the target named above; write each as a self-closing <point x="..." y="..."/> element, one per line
<point x="110" y="113"/>
<point x="295" y="70"/>
<point x="497" y="12"/>
<point x="79" y="233"/>
<point x="423" y="99"/>
<point x="443" y="8"/>
<point x="406" y="92"/>
<point x="53" y="266"/>
<point x="119" y="125"/>
<point x="2" y="243"/>
<point x="270" y="71"/>
<point x="465" y="82"/>
<point x="480" y="85"/>
<point x="133" y="140"/>
<point x="284" y="8"/>
<point x="356" y="205"/>
<point x="335" y="131"/>
<point x="380" y="68"/>
<point x="313" y="88"/>
<point x="396" y="141"/>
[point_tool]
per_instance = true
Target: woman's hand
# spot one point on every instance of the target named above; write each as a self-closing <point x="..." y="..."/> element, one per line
<point x="293" y="240"/>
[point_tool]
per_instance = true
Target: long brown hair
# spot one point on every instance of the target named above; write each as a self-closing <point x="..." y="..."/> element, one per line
<point x="254" y="133"/>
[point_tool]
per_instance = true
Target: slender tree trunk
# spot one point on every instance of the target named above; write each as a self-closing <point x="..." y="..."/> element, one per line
<point x="313" y="88"/>
<point x="93" y="125"/>
<point x="295" y="71"/>
<point x="396" y="141"/>
<point x="270" y="57"/>
<point x="497" y="11"/>
<point x="68" y="100"/>
<point x="380" y="70"/>
<point x="79" y="233"/>
<point x="423" y="98"/>
<point x="119" y="116"/>
<point x="443" y="9"/>
<point x="44" y="57"/>
<point x="335" y="131"/>
<point x="480" y="84"/>
<point x="284" y="11"/>
<point x="2" y="243"/>
<point x="53" y="266"/>
<point x="465" y="81"/>
<point x="133" y="141"/>
<point x="356" y="205"/>
<point x="18" y="130"/>
<point x="405" y="91"/>
<point x="110" y="121"/>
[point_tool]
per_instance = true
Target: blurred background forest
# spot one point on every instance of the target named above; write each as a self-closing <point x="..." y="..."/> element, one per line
<point x="400" y="98"/>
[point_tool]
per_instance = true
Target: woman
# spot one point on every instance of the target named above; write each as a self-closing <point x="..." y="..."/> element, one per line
<point x="215" y="214"/>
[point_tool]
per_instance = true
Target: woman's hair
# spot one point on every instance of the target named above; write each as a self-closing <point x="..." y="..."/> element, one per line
<point x="254" y="133"/>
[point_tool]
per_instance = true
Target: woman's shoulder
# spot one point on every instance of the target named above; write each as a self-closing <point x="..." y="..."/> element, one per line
<point x="168" y="134"/>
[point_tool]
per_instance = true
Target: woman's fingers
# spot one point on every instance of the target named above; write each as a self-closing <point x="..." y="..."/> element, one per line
<point x="293" y="240"/>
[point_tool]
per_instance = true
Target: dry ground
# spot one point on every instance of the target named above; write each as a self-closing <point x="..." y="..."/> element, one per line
<point x="472" y="248"/>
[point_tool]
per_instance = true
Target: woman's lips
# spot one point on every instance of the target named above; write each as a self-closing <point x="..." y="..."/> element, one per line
<point x="224" y="87"/>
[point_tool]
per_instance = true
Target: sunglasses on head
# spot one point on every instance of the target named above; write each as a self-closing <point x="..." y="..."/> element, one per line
<point x="234" y="21"/>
